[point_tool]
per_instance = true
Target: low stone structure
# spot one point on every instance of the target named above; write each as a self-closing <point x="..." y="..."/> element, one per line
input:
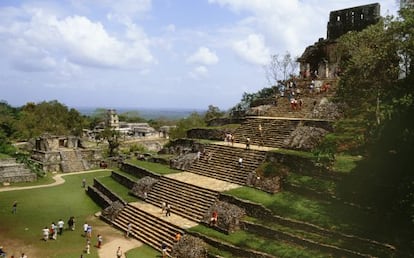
<point x="13" y="172"/>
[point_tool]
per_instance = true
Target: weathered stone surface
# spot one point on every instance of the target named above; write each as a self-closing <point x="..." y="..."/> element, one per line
<point x="144" y="185"/>
<point x="326" y="109"/>
<point x="190" y="247"/>
<point x="112" y="211"/>
<point x="305" y="138"/>
<point x="13" y="172"/>
<point x="229" y="215"/>
<point x="183" y="162"/>
<point x="352" y="19"/>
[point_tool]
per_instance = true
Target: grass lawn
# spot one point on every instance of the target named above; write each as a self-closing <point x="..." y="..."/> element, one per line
<point x="37" y="208"/>
<point x="333" y="216"/>
<point x="248" y="240"/>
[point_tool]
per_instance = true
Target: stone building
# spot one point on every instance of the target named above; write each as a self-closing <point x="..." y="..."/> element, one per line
<point x="320" y="59"/>
<point x="112" y="119"/>
<point x="64" y="154"/>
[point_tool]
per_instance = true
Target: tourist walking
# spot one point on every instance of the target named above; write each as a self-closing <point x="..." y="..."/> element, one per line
<point x="241" y="162"/>
<point x="88" y="246"/>
<point x="164" y="249"/>
<point x="247" y="143"/>
<point x="89" y="231"/>
<point x="71" y="223"/>
<point x="168" y="210"/>
<point x="100" y="239"/>
<point x="119" y="252"/>
<point x="60" y="225"/>
<point x="84" y="183"/>
<point x="85" y="229"/>
<point x="45" y="233"/>
<point x="129" y="228"/>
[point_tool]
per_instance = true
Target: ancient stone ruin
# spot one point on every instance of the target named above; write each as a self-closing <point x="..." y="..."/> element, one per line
<point x="320" y="60"/>
<point x="12" y="172"/>
<point x="64" y="154"/>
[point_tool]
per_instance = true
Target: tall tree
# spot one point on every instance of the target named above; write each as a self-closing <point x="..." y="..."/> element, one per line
<point x="280" y="68"/>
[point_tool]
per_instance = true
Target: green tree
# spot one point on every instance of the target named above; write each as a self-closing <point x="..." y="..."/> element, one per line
<point x="213" y="112"/>
<point x="183" y="125"/>
<point x="370" y="69"/>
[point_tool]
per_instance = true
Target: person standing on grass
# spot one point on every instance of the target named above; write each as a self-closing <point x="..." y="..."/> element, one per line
<point x="85" y="229"/>
<point x="14" y="207"/>
<point x="45" y="232"/>
<point x="60" y="226"/>
<point x="71" y="223"/>
<point x="89" y="231"/>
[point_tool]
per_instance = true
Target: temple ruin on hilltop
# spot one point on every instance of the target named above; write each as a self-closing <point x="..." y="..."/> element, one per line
<point x="320" y="60"/>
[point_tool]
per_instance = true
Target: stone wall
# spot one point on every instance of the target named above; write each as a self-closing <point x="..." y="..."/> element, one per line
<point x="137" y="171"/>
<point x="352" y="19"/>
<point x="13" y="172"/>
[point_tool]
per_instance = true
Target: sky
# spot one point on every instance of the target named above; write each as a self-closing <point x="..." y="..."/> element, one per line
<point x="152" y="53"/>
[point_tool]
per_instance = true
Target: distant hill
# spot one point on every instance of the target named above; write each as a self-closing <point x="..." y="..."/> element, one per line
<point x="147" y="113"/>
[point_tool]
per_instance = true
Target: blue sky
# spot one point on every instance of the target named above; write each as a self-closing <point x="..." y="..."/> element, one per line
<point x="152" y="53"/>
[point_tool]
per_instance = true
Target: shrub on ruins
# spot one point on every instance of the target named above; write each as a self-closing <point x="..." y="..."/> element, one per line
<point x="269" y="177"/>
<point x="143" y="186"/>
<point x="190" y="247"/>
<point x="305" y="138"/>
<point x="229" y="215"/>
<point x="113" y="210"/>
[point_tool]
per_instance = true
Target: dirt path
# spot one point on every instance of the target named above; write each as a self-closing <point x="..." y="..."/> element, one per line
<point x="58" y="181"/>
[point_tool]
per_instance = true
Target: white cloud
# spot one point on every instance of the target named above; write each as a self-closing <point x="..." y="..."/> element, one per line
<point x="170" y="28"/>
<point x="252" y="49"/>
<point x="203" y="56"/>
<point x="199" y="72"/>
<point x="79" y="40"/>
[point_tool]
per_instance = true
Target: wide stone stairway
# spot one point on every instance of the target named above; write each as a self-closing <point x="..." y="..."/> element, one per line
<point x="150" y="228"/>
<point x="186" y="200"/>
<point x="221" y="162"/>
<point x="273" y="133"/>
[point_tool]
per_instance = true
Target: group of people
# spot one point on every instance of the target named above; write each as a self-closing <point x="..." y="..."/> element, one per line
<point x="166" y="207"/>
<point x="4" y="254"/>
<point x="56" y="229"/>
<point x="229" y="139"/>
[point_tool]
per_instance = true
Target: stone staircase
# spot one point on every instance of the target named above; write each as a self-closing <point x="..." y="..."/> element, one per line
<point x="71" y="161"/>
<point x="274" y="131"/>
<point x="146" y="227"/>
<point x="186" y="200"/>
<point x="12" y="172"/>
<point x="223" y="164"/>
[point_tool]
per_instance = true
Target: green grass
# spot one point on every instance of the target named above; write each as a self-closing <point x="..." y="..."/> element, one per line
<point x="332" y="216"/>
<point x="143" y="251"/>
<point x="345" y="163"/>
<point x="4" y="156"/>
<point x="37" y="208"/>
<point x="309" y="182"/>
<point x="117" y="188"/>
<point x="154" y="167"/>
<point x="248" y="240"/>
